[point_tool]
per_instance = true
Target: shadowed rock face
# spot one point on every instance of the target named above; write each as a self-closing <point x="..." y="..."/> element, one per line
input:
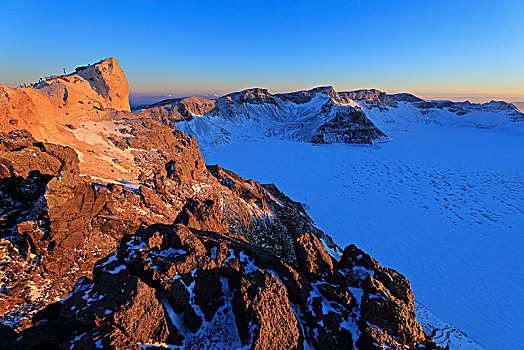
<point x="347" y="126"/>
<point x="155" y="248"/>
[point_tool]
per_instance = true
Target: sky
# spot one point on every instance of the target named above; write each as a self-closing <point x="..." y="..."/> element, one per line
<point x="436" y="49"/>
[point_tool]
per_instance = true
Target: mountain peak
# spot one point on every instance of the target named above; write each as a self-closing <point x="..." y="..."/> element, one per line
<point x="253" y="95"/>
<point x="56" y="108"/>
<point x="328" y="90"/>
<point x="108" y="79"/>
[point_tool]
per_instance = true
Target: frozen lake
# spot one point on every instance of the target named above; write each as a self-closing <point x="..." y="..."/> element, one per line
<point x="443" y="205"/>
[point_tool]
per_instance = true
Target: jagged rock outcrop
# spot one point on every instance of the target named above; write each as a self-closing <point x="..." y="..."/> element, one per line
<point x="376" y="96"/>
<point x="109" y="81"/>
<point x="49" y="237"/>
<point x="84" y="94"/>
<point x="263" y="313"/>
<point x="204" y="289"/>
<point x="63" y="221"/>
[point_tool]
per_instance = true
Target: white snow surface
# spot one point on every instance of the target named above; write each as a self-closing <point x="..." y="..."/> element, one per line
<point x="443" y="333"/>
<point x="441" y="203"/>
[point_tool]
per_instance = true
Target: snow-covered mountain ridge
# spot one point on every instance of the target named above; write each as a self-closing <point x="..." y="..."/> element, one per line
<point x="320" y="115"/>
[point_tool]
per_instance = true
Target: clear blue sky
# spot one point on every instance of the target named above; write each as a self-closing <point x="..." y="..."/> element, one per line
<point x="432" y="48"/>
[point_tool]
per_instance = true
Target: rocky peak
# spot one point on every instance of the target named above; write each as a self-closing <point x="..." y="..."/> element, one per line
<point x="173" y="110"/>
<point x="198" y="105"/>
<point x="347" y="124"/>
<point x="305" y="96"/>
<point x="327" y="90"/>
<point x="108" y="79"/>
<point x="255" y="96"/>
<point x="370" y="95"/>
<point x="75" y="110"/>
<point x="374" y="96"/>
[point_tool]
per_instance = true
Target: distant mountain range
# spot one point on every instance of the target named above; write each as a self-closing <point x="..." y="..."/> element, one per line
<point x="319" y="115"/>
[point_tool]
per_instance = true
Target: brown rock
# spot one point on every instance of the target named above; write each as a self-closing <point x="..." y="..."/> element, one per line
<point x="169" y="111"/>
<point x="263" y="315"/>
<point x="203" y="215"/>
<point x="109" y="81"/>
<point x="394" y="320"/>
<point x="353" y="256"/>
<point x="311" y="255"/>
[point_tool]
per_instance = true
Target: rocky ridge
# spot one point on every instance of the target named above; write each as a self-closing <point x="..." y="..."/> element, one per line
<point x="184" y="255"/>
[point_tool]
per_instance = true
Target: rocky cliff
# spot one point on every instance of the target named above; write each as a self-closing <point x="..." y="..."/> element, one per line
<point x="79" y="110"/>
<point x="176" y="253"/>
